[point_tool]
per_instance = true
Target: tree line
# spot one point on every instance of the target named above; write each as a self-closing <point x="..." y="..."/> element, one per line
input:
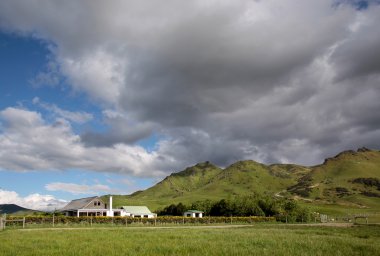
<point x="251" y="205"/>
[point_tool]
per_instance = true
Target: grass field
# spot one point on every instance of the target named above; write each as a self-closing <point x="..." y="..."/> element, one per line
<point x="260" y="239"/>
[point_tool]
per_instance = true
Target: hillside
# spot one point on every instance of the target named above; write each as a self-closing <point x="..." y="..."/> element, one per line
<point x="348" y="181"/>
<point x="207" y="181"/>
<point x="14" y="209"/>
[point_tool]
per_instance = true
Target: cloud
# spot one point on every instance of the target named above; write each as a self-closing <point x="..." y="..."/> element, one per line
<point x="51" y="77"/>
<point x="289" y="81"/>
<point x="33" y="201"/>
<point x="77" y="117"/>
<point x="357" y="55"/>
<point x="98" y="73"/>
<point x="80" y="188"/>
<point x="28" y="142"/>
<point x="122" y="130"/>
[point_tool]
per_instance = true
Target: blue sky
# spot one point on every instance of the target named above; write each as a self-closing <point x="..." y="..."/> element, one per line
<point x="22" y="60"/>
<point x="109" y="98"/>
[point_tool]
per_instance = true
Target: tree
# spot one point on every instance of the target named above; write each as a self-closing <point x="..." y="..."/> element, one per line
<point x="221" y="208"/>
<point x="173" y="210"/>
<point x="204" y="206"/>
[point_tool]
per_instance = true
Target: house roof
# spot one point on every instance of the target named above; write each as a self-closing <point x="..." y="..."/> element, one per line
<point x="78" y="203"/>
<point x="194" y="211"/>
<point x="137" y="210"/>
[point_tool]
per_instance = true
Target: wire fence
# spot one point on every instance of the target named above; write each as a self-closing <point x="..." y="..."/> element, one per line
<point x="61" y="221"/>
<point x="17" y="222"/>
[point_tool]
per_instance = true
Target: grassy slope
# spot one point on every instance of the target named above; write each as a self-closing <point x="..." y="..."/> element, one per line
<point x="330" y="185"/>
<point x="177" y="187"/>
<point x="207" y="181"/>
<point x="318" y="187"/>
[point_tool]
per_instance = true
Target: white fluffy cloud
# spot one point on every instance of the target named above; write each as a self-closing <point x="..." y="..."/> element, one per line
<point x="98" y="73"/>
<point x="29" y="143"/>
<point x="33" y="201"/>
<point x="289" y="81"/>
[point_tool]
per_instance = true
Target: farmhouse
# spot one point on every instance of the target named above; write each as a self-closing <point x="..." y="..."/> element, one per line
<point x="193" y="213"/>
<point x="94" y="206"/>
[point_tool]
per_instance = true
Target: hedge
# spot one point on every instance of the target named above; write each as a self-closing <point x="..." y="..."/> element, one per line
<point x="129" y="220"/>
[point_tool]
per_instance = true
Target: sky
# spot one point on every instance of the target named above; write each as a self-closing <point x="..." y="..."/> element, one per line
<point x="109" y="97"/>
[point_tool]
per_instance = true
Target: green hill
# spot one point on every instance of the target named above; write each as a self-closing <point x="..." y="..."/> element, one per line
<point x="349" y="181"/>
<point x="14" y="209"/>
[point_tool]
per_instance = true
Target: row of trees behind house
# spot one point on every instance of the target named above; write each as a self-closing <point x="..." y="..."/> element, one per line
<point x="252" y="205"/>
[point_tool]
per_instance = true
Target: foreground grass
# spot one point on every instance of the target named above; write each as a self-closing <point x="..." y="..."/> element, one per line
<point x="263" y="239"/>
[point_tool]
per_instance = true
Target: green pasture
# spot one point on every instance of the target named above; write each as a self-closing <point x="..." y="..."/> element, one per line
<point x="259" y="239"/>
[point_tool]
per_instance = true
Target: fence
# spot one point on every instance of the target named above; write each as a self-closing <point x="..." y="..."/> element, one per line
<point x="3" y="222"/>
<point x="61" y="221"/>
<point x="358" y="218"/>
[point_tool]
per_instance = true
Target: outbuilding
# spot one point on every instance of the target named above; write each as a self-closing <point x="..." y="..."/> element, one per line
<point x="138" y="211"/>
<point x="193" y="214"/>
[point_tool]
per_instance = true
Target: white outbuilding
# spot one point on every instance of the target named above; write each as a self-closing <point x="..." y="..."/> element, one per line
<point x="193" y="214"/>
<point x="138" y="211"/>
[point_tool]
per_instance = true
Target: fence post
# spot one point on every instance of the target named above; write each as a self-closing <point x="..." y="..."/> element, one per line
<point x="53" y="220"/>
<point x="23" y="223"/>
<point x="5" y="221"/>
<point x="1" y="223"/>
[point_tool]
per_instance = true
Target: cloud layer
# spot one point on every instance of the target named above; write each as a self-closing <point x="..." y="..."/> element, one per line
<point x="29" y="143"/>
<point x="77" y="189"/>
<point x="273" y="81"/>
<point x="33" y="201"/>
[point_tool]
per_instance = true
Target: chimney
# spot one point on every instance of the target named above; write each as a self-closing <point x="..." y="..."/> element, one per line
<point x="110" y="203"/>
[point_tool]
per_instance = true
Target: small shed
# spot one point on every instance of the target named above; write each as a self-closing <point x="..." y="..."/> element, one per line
<point x="193" y="214"/>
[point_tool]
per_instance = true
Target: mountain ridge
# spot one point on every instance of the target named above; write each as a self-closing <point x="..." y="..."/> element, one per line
<point x="327" y="184"/>
<point x="15" y="209"/>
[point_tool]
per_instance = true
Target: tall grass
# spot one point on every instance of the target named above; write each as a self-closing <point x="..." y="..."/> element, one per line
<point x="262" y="239"/>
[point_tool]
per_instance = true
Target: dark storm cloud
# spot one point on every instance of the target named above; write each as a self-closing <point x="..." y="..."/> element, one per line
<point x="115" y="136"/>
<point x="216" y="61"/>
<point x="121" y="131"/>
<point x="274" y="81"/>
<point x="358" y="55"/>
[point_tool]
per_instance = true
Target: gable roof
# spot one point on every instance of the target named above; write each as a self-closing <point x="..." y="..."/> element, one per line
<point x="78" y="203"/>
<point x="137" y="210"/>
<point x="194" y="211"/>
